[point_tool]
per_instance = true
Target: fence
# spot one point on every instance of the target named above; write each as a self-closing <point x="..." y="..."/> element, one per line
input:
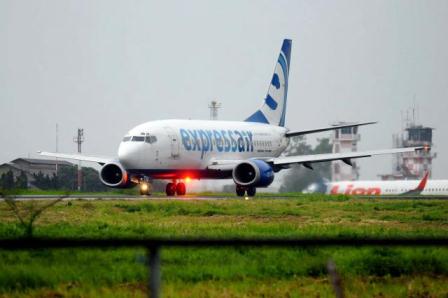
<point x="154" y="245"/>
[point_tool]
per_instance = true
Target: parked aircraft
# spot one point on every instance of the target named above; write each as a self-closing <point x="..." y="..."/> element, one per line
<point x="380" y="187"/>
<point x="247" y="151"/>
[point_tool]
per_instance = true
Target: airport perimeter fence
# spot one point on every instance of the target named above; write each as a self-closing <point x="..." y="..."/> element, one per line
<point x="154" y="246"/>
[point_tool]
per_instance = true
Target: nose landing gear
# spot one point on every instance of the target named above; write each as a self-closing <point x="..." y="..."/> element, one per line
<point x="174" y="188"/>
<point x="145" y="188"/>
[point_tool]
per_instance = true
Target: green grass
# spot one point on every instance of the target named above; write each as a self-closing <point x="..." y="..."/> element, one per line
<point x="58" y="192"/>
<point x="231" y="272"/>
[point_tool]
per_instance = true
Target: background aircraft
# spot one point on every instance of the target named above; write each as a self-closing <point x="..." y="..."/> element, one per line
<point x="373" y="188"/>
<point x="247" y="151"/>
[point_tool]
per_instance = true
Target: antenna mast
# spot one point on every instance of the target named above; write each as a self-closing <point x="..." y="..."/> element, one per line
<point x="57" y="145"/>
<point x="79" y="139"/>
<point x="214" y="106"/>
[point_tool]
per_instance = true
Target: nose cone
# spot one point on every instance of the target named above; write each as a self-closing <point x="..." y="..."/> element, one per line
<point x="129" y="154"/>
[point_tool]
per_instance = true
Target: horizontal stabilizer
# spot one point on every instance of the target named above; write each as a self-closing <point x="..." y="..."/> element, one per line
<point x="305" y="132"/>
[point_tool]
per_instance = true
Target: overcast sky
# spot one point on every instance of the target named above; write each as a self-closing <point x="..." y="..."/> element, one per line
<point x="107" y="66"/>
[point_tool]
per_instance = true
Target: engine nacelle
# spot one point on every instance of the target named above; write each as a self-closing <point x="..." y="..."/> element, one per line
<point x="253" y="173"/>
<point x="114" y="175"/>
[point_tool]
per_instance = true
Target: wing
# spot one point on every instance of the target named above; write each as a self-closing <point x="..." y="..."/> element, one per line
<point x="100" y="160"/>
<point x="304" y="132"/>
<point x="306" y="160"/>
<point x="223" y="165"/>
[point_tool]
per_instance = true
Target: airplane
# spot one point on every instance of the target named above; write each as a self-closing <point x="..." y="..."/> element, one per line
<point x="249" y="151"/>
<point x="387" y="187"/>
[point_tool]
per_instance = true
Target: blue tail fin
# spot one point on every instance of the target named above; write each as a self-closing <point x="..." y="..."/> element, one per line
<point x="273" y="109"/>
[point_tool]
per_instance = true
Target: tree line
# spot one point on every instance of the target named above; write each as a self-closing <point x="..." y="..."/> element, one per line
<point x="66" y="179"/>
<point x="298" y="178"/>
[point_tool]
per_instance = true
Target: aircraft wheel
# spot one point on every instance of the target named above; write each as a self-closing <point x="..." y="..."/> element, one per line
<point x="181" y="189"/>
<point x="170" y="189"/>
<point x="145" y="189"/>
<point x="240" y="191"/>
<point x="251" y="191"/>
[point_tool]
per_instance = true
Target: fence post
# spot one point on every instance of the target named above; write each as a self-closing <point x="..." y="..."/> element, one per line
<point x="335" y="279"/>
<point x="154" y="272"/>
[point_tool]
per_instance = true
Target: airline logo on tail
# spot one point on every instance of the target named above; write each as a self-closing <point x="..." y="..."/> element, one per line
<point x="421" y="186"/>
<point x="273" y="109"/>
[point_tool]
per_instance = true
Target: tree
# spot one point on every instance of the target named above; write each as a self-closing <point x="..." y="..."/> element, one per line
<point x="40" y="181"/>
<point x="7" y="180"/>
<point x="66" y="177"/>
<point x="298" y="177"/>
<point x="22" y="181"/>
<point x="91" y="180"/>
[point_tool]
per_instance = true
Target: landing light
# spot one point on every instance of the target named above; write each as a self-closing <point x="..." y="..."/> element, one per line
<point x="144" y="186"/>
<point x="187" y="179"/>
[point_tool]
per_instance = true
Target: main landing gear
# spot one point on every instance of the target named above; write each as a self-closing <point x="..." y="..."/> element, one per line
<point x="174" y="188"/>
<point x="241" y="191"/>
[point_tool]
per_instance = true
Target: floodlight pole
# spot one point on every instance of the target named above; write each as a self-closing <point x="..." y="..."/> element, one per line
<point x="79" y="139"/>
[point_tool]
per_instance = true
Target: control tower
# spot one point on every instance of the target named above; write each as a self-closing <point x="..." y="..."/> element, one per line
<point x="345" y="140"/>
<point x="412" y="165"/>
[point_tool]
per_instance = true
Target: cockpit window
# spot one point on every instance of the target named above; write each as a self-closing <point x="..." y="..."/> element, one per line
<point x="144" y="138"/>
<point x="138" y="139"/>
<point x="150" y="139"/>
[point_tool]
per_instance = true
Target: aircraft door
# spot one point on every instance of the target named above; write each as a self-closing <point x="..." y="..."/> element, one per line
<point x="174" y="143"/>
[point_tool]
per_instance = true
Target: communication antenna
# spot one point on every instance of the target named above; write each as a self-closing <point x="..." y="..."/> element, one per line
<point x="214" y="106"/>
<point x="413" y="112"/>
<point x="79" y="139"/>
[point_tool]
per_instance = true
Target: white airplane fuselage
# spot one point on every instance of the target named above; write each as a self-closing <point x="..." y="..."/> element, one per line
<point x="371" y="188"/>
<point x="177" y="148"/>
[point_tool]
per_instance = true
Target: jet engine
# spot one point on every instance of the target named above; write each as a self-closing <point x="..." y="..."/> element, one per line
<point x="253" y="173"/>
<point x="114" y="175"/>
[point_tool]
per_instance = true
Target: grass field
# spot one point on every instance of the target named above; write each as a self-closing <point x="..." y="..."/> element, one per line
<point x="231" y="272"/>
